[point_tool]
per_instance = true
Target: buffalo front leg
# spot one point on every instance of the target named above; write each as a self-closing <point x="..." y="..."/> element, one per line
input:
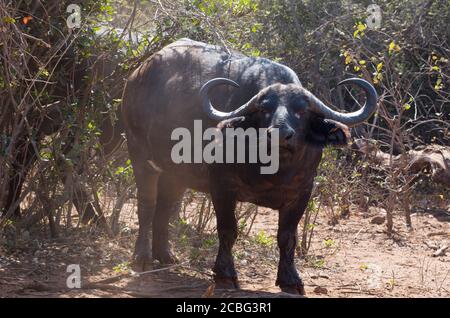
<point x="287" y="277"/>
<point x="224" y="204"/>
<point x="170" y="193"/>
<point x="146" y="183"/>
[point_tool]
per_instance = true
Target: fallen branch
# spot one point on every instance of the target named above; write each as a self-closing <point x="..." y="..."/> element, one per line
<point x="137" y="274"/>
<point x="441" y="251"/>
<point x="434" y="159"/>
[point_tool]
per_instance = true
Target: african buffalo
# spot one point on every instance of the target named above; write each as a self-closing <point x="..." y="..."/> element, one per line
<point x="168" y="91"/>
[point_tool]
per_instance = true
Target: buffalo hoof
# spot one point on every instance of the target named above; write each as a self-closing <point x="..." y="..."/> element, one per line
<point x="297" y="289"/>
<point x="165" y="257"/>
<point x="142" y="262"/>
<point x="226" y="283"/>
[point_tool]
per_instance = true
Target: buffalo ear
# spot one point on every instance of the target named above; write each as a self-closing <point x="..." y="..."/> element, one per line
<point x="323" y="132"/>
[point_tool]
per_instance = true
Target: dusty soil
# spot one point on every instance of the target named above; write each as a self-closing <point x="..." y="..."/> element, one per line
<point x="354" y="258"/>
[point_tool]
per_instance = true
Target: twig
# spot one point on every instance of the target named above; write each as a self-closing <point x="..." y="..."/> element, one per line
<point x="137" y="274"/>
<point x="441" y="251"/>
<point x="354" y="238"/>
<point x="28" y="36"/>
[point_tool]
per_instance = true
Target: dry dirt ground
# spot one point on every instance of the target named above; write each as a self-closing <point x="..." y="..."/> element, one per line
<point x="354" y="258"/>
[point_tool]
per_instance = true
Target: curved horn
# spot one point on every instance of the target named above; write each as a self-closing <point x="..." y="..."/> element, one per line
<point x="354" y="118"/>
<point x="215" y="114"/>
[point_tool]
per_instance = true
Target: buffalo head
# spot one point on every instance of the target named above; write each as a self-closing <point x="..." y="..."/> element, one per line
<point x="300" y="117"/>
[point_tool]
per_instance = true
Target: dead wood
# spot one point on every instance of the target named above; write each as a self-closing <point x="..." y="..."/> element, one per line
<point x="431" y="159"/>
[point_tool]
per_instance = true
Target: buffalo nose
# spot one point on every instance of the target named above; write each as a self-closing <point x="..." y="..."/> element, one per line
<point x="288" y="134"/>
<point x="285" y="132"/>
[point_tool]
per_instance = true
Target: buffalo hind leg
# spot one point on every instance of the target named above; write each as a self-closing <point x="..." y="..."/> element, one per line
<point x="146" y="182"/>
<point x="287" y="277"/>
<point x="224" y="204"/>
<point x="168" y="202"/>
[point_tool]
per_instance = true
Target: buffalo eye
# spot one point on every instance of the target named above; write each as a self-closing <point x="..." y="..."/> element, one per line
<point x="267" y="104"/>
<point x="299" y="112"/>
<point x="265" y="110"/>
<point x="299" y="107"/>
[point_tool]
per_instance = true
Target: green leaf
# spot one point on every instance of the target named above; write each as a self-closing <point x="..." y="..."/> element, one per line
<point x="91" y="125"/>
<point x="119" y="170"/>
<point x="361" y="27"/>
<point x="255" y="53"/>
<point x="328" y="243"/>
<point x="44" y="72"/>
<point x="348" y="59"/>
<point x="438" y="85"/>
<point x="379" y="66"/>
<point x="393" y="47"/>
<point x="9" y="20"/>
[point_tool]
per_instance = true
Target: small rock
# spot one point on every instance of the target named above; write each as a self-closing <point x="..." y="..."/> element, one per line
<point x="373" y="210"/>
<point x="440" y="251"/>
<point x="26" y="235"/>
<point x="379" y="219"/>
<point x="321" y="290"/>
<point x="88" y="251"/>
<point x="65" y="250"/>
<point x="125" y="230"/>
<point x="244" y="262"/>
